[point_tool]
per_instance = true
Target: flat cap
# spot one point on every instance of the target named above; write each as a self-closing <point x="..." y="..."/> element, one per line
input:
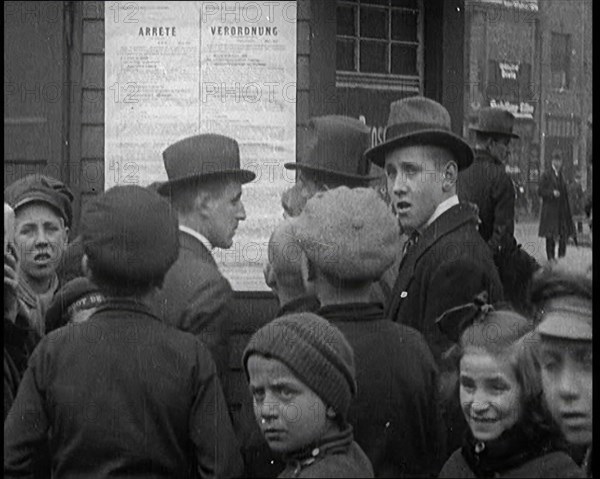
<point x="130" y="233"/>
<point x="42" y="188"/>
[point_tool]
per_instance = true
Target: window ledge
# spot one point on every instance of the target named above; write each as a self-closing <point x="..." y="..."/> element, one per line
<point x="378" y="81"/>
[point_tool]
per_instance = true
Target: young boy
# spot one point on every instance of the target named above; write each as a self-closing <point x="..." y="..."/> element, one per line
<point x="302" y="378"/>
<point x="563" y="297"/>
<point x="122" y="394"/>
<point x="349" y="238"/>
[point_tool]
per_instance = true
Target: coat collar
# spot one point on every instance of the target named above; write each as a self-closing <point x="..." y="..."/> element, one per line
<point x="353" y="312"/>
<point x="194" y="244"/>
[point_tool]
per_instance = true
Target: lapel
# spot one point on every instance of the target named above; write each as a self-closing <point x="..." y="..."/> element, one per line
<point x="449" y="221"/>
<point x="195" y="246"/>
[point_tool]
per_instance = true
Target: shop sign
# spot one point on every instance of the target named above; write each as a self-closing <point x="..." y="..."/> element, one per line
<point x="520" y="110"/>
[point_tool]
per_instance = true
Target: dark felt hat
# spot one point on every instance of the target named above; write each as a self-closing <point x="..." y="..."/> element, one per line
<point x="42" y="188"/>
<point x="334" y="146"/>
<point x="130" y="234"/>
<point x="203" y="156"/>
<point x="418" y="120"/>
<point x="495" y="121"/>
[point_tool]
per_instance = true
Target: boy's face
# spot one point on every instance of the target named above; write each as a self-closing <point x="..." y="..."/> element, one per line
<point x="289" y="414"/>
<point x="567" y="380"/>
<point x="40" y="238"/>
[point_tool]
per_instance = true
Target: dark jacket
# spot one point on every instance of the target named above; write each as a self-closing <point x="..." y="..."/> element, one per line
<point x="555" y="219"/>
<point x="511" y="455"/>
<point x="197" y="298"/>
<point x="124" y="395"/>
<point x="396" y="413"/>
<point x="486" y="184"/>
<point x="448" y="266"/>
<point x="303" y="304"/>
<point x="337" y="455"/>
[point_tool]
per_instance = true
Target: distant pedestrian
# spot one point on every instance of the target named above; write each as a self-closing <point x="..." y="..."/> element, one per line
<point x="301" y="374"/>
<point x="511" y="433"/>
<point x="555" y="220"/>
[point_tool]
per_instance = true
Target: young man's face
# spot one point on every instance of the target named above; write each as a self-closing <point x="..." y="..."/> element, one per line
<point x="500" y="147"/>
<point x="415" y="183"/>
<point x="223" y="214"/>
<point x="40" y="238"/>
<point x="568" y="383"/>
<point x="557" y="162"/>
<point x="490" y="394"/>
<point x="290" y="415"/>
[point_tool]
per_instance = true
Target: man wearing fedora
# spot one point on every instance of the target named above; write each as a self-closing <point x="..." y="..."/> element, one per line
<point x="486" y="182"/>
<point x="446" y="262"/>
<point x="205" y="188"/>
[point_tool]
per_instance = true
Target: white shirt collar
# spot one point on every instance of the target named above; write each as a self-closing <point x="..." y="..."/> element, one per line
<point x="442" y="208"/>
<point x="196" y="235"/>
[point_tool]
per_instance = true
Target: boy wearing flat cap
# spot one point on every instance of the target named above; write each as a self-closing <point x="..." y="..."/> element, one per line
<point x="123" y="394"/>
<point x="446" y="261"/>
<point x="43" y="214"/>
<point x="563" y="296"/>
<point x="301" y="375"/>
<point x="349" y="237"/>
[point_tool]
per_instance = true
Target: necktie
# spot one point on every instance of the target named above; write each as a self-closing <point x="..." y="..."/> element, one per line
<point x="413" y="239"/>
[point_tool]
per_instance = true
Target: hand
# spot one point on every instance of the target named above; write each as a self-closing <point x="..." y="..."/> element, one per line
<point x="11" y="282"/>
<point x="556" y="193"/>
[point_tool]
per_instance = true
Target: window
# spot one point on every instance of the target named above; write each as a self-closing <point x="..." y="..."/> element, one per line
<point x="560" y="60"/>
<point x="379" y="42"/>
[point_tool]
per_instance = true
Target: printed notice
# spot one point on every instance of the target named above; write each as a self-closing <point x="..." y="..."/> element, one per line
<point x="175" y="69"/>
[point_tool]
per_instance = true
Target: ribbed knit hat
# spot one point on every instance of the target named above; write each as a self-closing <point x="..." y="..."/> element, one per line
<point x="349" y="234"/>
<point x="315" y="350"/>
<point x="130" y="234"/>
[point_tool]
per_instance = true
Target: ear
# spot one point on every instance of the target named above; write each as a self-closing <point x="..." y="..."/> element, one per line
<point x="308" y="272"/>
<point x="450" y="175"/>
<point x="203" y="203"/>
<point x="85" y="267"/>
<point x="270" y="276"/>
<point x="66" y="238"/>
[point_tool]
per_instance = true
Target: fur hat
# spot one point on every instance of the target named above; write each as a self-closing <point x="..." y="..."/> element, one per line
<point x="315" y="350"/>
<point x="349" y="234"/>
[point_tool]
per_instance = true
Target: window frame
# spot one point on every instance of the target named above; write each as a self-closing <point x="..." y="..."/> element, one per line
<point x="566" y="56"/>
<point x="383" y="81"/>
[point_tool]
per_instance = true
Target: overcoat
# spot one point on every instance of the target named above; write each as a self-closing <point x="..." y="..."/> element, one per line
<point x="122" y="395"/>
<point x="487" y="184"/>
<point x="555" y="219"/>
<point x="396" y="413"/>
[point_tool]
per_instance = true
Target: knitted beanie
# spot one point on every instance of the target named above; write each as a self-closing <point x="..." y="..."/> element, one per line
<point x="315" y="350"/>
<point x="350" y="234"/>
<point x="130" y="234"/>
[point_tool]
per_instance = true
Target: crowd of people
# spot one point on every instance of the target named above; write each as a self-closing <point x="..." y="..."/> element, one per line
<point x="414" y="337"/>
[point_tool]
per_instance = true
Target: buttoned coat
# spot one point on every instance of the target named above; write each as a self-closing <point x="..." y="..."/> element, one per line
<point x="121" y="395"/>
<point x="449" y="265"/>
<point x="555" y="219"/>
<point x="197" y="298"/>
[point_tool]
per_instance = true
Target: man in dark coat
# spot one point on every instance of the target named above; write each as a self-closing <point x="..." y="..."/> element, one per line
<point x="446" y="261"/>
<point x="486" y="182"/>
<point x="123" y="394"/>
<point x="349" y="238"/>
<point x="555" y="220"/>
<point x="205" y="189"/>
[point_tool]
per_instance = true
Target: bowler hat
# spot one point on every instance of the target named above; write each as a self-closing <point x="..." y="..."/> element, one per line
<point x="495" y="121"/>
<point x="334" y="146"/>
<point x="203" y="156"/>
<point x="41" y="188"/>
<point x="418" y="120"/>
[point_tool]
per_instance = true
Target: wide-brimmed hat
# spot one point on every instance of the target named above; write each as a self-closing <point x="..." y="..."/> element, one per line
<point x="41" y="188"/>
<point x="334" y="147"/>
<point x="420" y="121"/>
<point x="203" y="156"/>
<point x="495" y="121"/>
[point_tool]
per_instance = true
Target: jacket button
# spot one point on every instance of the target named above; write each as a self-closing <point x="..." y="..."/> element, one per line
<point x="403" y="294"/>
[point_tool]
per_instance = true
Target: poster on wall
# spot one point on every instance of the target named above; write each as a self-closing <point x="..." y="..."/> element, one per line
<point x="176" y="69"/>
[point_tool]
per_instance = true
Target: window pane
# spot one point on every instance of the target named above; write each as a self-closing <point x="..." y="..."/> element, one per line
<point x="405" y="3"/>
<point x="404" y="60"/>
<point x="345" y="55"/>
<point x="373" y="23"/>
<point x="404" y="26"/>
<point x="373" y="57"/>
<point x="346" y="20"/>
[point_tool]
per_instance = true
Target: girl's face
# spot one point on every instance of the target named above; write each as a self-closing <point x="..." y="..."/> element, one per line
<point x="289" y="413"/>
<point x="489" y="394"/>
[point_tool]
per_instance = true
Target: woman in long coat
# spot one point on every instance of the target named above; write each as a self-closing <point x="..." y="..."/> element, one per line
<point x="556" y="219"/>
